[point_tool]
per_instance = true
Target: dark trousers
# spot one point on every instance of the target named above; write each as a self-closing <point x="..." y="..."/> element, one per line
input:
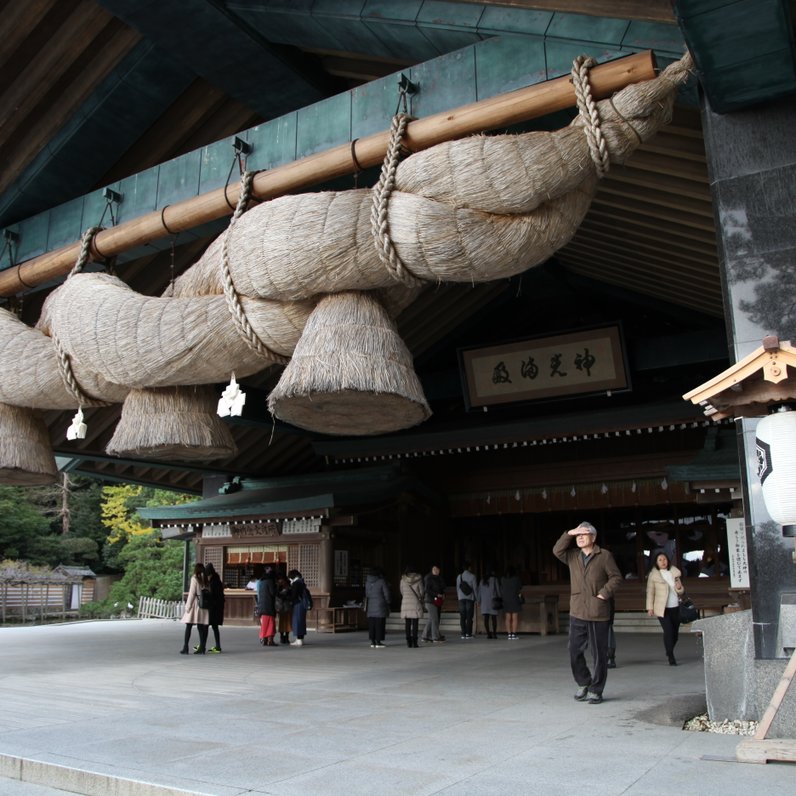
<point x="377" y="629"/>
<point x="466" y="614"/>
<point x="670" y="622"/>
<point x="490" y="618"/>
<point x="217" y="636"/>
<point x="411" y="628"/>
<point x="202" y="636"/>
<point x="584" y="634"/>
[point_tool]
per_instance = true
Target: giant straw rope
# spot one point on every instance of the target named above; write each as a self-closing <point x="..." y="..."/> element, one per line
<point x="470" y="210"/>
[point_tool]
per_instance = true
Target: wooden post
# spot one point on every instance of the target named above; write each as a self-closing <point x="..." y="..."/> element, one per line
<point x="761" y="749"/>
<point x="494" y="113"/>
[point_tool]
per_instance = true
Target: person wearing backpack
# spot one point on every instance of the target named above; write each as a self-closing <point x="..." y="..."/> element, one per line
<point x="465" y="591"/>
<point x="302" y="602"/>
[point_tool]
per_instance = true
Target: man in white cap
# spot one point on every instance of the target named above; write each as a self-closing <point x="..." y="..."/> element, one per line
<point x="594" y="578"/>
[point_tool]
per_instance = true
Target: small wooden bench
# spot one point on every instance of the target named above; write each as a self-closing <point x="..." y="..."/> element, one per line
<point x="337" y="619"/>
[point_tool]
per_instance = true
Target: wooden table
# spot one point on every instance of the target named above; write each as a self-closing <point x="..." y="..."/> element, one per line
<point x="337" y="619"/>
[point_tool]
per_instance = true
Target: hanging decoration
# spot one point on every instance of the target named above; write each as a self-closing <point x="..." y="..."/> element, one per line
<point x="776" y="466"/>
<point x="232" y="400"/>
<point x="77" y="430"/>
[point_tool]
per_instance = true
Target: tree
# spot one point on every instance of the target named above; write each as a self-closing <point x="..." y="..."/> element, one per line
<point x="22" y="527"/>
<point x="152" y="568"/>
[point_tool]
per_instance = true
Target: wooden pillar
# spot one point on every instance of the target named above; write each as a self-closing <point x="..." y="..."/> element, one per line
<point x="326" y="564"/>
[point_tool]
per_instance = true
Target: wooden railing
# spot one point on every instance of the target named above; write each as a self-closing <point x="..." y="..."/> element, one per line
<point x="150" y="608"/>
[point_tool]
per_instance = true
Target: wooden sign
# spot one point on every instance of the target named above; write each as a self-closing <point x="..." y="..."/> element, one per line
<point x="577" y="363"/>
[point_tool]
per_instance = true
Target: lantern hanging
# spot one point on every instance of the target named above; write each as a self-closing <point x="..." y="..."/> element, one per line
<point x="776" y="466"/>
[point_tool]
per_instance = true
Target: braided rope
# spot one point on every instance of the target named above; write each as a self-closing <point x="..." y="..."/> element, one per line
<point x="62" y="358"/>
<point x="85" y="249"/>
<point x="381" y="201"/>
<point x="587" y="108"/>
<point x="234" y="303"/>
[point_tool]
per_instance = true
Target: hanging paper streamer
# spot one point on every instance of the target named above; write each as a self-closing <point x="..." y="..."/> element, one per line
<point x="232" y="400"/>
<point x="78" y="428"/>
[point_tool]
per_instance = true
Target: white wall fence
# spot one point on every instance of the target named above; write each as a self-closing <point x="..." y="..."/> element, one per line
<point x="150" y="608"/>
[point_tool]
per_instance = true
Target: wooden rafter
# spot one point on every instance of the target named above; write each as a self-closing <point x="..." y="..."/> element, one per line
<point x="750" y="385"/>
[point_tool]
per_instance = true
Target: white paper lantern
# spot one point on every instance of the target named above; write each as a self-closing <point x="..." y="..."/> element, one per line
<point x="776" y="467"/>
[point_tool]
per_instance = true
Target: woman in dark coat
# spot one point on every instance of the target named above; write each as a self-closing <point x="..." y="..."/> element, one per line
<point x="377" y="593"/>
<point x="298" y="599"/>
<point x="284" y="609"/>
<point x="510" y="587"/>
<point x="194" y="615"/>
<point x="216" y="610"/>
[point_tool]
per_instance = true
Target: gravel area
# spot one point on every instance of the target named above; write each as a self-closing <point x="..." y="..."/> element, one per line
<point x="704" y="724"/>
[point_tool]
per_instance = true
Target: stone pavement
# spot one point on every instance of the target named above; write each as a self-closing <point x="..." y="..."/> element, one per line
<point x="111" y="708"/>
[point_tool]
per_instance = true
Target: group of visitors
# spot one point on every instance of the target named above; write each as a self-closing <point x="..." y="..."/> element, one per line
<point x="425" y="595"/>
<point x="493" y="596"/>
<point x="281" y="605"/>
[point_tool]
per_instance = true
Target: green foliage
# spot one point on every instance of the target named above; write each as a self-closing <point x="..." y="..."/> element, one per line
<point x="152" y="568"/>
<point x="22" y="527"/>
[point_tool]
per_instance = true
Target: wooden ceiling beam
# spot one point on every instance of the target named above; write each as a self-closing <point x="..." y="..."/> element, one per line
<point x="616" y="186"/>
<point x="645" y="10"/>
<point x="683" y="236"/>
<point x="666" y="269"/>
<point x="672" y="251"/>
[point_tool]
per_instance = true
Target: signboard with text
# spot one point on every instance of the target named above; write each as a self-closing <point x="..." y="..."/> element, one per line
<point x="577" y="363"/>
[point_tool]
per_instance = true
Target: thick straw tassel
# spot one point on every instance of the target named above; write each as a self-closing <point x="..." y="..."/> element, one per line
<point x="172" y="423"/>
<point x="350" y="373"/>
<point x="26" y="458"/>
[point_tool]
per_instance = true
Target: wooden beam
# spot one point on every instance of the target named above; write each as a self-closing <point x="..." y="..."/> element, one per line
<point x="647" y="10"/>
<point x="497" y="112"/>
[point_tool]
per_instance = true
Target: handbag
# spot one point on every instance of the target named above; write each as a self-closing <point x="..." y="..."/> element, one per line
<point x="497" y="603"/>
<point x="521" y="598"/>
<point x="688" y="611"/>
<point x="438" y="601"/>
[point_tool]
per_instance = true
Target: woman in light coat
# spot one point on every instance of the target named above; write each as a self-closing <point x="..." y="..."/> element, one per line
<point x="664" y="588"/>
<point x="412" y="598"/>
<point x="194" y="615"/>
<point x="488" y="593"/>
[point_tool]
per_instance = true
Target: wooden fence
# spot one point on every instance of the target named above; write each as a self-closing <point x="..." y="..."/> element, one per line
<point x="31" y="602"/>
<point x="150" y="608"/>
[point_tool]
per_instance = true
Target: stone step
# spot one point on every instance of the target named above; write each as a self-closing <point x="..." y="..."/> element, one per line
<point x="624" y="622"/>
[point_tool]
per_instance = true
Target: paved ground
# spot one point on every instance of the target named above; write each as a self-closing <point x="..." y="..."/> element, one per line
<point x="111" y="708"/>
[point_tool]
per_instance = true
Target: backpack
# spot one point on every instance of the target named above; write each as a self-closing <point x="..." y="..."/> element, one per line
<point x="465" y="588"/>
<point x="205" y="598"/>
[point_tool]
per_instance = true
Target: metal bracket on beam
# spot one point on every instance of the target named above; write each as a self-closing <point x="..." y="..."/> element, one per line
<point x="242" y="147"/>
<point x="109" y="195"/>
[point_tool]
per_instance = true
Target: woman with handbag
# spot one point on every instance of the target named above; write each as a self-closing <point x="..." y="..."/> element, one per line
<point x="412" y="597"/>
<point x="195" y="614"/>
<point x="664" y="588"/>
<point x="490" y="601"/>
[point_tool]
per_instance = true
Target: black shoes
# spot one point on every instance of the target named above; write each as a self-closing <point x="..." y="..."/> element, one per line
<point x="611" y="663"/>
<point x="184" y="651"/>
<point x="672" y="661"/>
